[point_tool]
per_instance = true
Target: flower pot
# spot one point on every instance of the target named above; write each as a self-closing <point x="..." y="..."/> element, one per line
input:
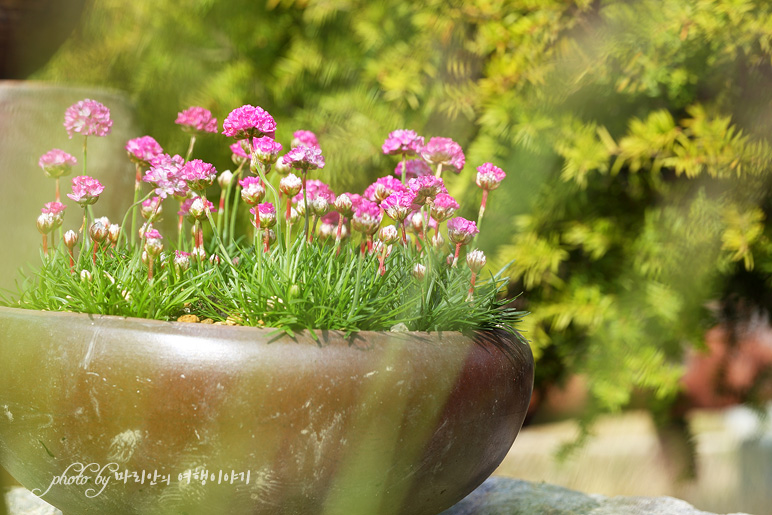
<point x="375" y="423"/>
<point x="31" y="124"/>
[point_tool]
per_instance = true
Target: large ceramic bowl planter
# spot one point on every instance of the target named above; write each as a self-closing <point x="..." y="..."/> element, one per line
<point x="377" y="423"/>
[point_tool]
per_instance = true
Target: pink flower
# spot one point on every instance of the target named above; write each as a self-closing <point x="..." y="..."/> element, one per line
<point x="443" y="207"/>
<point x="316" y="188"/>
<point x="383" y="187"/>
<point x="367" y="217"/>
<point x="197" y="119"/>
<point x="56" y="163"/>
<point x="239" y="150"/>
<point x="150" y="207"/>
<point x="290" y="185"/>
<point x="54" y="208"/>
<point x="356" y="199"/>
<point x="266" y="149"/>
<point x="267" y="215"/>
<point x="304" y="138"/>
<point x="87" y="117"/>
<point x="304" y="158"/>
<point x="253" y="190"/>
<point x="85" y="190"/>
<point x="164" y="175"/>
<point x="51" y="217"/>
<point x="153" y="243"/>
<point x="489" y="176"/>
<point x="444" y="151"/>
<point x="415" y="168"/>
<point x="398" y="205"/>
<point x="249" y="122"/>
<point x="143" y="150"/>
<point x="331" y="218"/>
<point x="426" y="187"/>
<point x="461" y="231"/>
<point x="198" y="174"/>
<point x="403" y="142"/>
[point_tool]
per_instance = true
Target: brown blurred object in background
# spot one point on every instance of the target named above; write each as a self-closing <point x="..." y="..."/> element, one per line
<point x="31" y="31"/>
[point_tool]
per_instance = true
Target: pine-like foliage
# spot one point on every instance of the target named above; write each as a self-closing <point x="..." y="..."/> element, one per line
<point x="633" y="133"/>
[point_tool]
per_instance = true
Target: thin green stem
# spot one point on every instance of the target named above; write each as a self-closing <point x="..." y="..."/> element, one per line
<point x="190" y="147"/>
<point x="216" y="233"/>
<point x="125" y="217"/>
<point x="137" y="187"/>
<point x="305" y="204"/>
<point x="355" y="300"/>
<point x="274" y="193"/>
<point x="85" y="153"/>
<point x="235" y="207"/>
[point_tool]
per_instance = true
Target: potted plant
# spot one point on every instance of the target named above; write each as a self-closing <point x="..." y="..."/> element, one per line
<point x="343" y="356"/>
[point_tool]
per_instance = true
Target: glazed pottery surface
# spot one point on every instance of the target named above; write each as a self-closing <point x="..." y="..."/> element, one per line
<point x="166" y="417"/>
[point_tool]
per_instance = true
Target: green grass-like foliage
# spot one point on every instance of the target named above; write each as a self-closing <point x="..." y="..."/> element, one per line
<point x="319" y="293"/>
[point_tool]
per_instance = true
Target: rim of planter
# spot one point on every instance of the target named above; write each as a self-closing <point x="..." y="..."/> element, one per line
<point x="380" y="422"/>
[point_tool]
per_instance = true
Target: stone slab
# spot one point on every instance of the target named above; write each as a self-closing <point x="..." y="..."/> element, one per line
<point x="497" y="496"/>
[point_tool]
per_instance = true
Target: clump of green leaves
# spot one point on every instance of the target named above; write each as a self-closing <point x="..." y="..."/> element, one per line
<point x="320" y="292"/>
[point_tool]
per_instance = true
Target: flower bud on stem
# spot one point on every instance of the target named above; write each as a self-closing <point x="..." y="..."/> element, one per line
<point x="455" y="256"/>
<point x="470" y="295"/>
<point x="482" y="208"/>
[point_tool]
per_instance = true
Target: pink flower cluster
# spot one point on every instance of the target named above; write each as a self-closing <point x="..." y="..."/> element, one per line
<point x="53" y="208"/>
<point x="489" y="176"/>
<point x="316" y="188"/>
<point x="266" y="149"/>
<point x="425" y="188"/>
<point x="253" y="190"/>
<point x="264" y="213"/>
<point x="404" y="142"/>
<point x="304" y="158"/>
<point x="85" y="190"/>
<point x="444" y="151"/>
<point x="197" y="119"/>
<point x="398" y="205"/>
<point x="461" y="231"/>
<point x="249" y="122"/>
<point x="367" y="217"/>
<point x="198" y="174"/>
<point x="164" y="175"/>
<point x="56" y="163"/>
<point x="143" y="150"/>
<point x="89" y="118"/>
<point x="443" y="207"/>
<point x="383" y="187"/>
<point x="414" y="167"/>
<point x="304" y="138"/>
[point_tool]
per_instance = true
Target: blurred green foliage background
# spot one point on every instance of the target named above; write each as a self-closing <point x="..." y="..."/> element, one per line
<point x="634" y="135"/>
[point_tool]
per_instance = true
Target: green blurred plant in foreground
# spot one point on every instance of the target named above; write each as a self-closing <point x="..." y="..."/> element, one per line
<point x="635" y="134"/>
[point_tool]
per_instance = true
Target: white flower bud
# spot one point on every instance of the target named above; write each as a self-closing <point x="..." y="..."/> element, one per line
<point x="475" y="260"/>
<point x="70" y="239"/>
<point x="225" y="178"/>
<point x="320" y="205"/>
<point x="98" y="231"/>
<point x="388" y="234"/>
